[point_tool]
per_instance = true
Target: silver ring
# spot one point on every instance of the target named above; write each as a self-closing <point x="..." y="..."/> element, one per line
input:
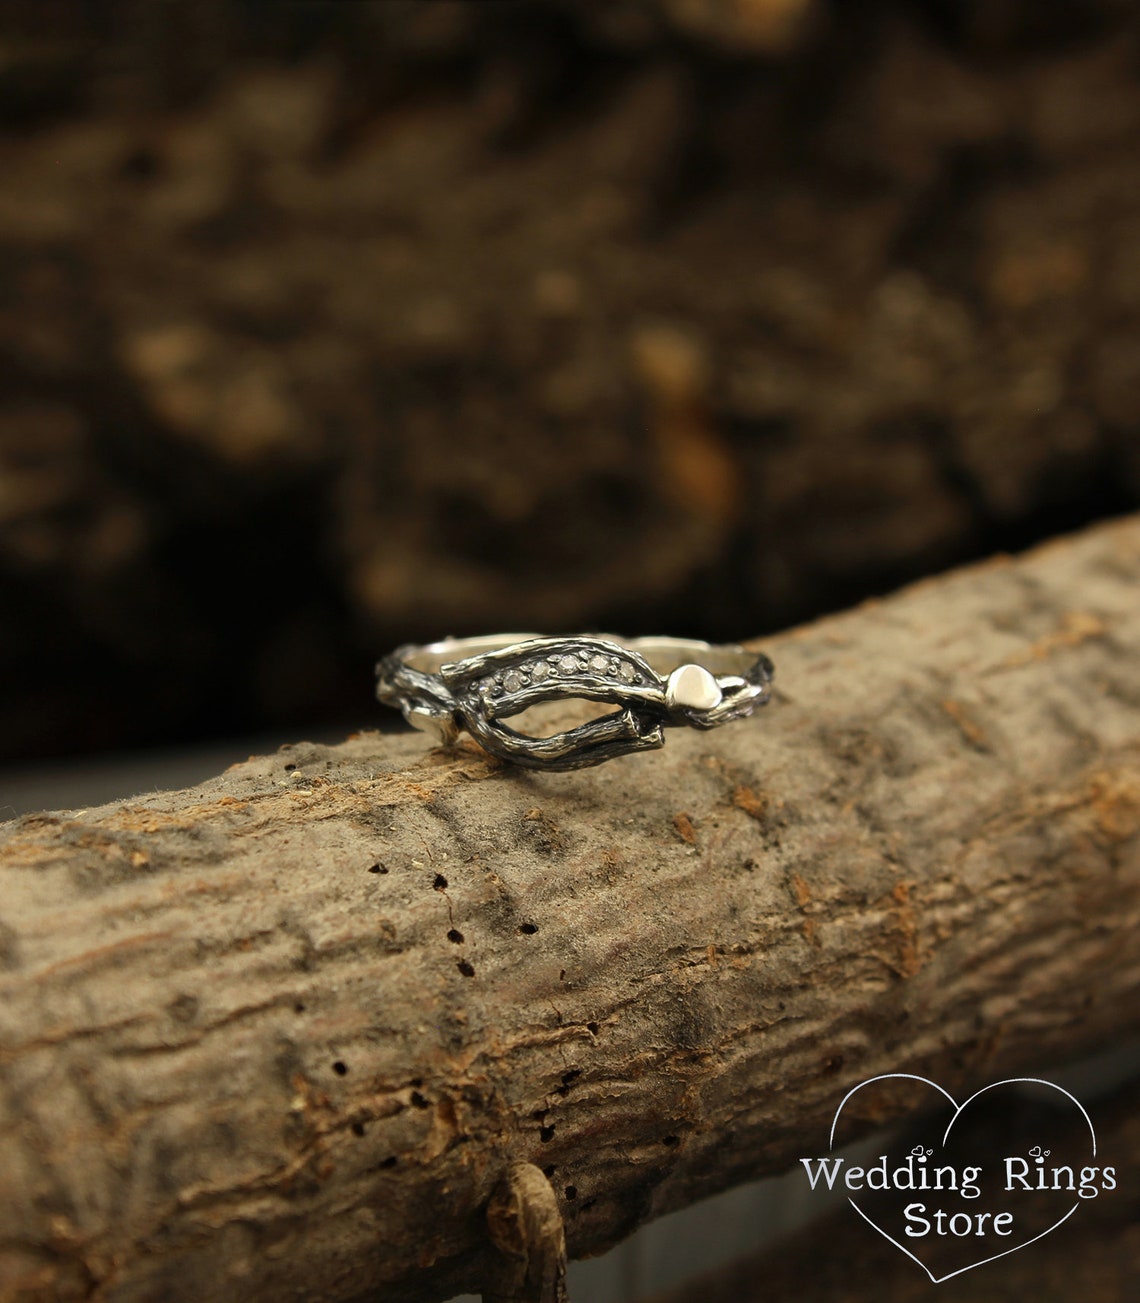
<point x="478" y="683"/>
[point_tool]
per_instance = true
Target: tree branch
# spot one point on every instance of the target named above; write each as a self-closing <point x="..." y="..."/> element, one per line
<point x="286" y="1033"/>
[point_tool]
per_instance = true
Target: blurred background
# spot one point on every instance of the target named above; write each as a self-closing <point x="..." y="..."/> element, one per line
<point x="325" y="326"/>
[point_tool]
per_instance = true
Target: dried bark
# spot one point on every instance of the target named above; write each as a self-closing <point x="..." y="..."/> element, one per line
<point x="285" y="1034"/>
<point x="525" y="1224"/>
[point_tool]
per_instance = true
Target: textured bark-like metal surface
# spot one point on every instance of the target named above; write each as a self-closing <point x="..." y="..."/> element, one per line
<point x="284" y="1035"/>
<point x="479" y="691"/>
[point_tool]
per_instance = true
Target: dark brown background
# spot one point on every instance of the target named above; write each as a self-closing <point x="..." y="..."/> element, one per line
<point x="324" y="326"/>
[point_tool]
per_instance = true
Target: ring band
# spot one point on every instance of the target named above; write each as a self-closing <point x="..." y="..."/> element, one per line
<point x="477" y="683"/>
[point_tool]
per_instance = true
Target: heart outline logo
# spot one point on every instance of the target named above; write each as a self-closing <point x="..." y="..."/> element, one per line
<point x="958" y="1110"/>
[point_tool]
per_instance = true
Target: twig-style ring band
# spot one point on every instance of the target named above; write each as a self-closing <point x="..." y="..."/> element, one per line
<point x="478" y="683"/>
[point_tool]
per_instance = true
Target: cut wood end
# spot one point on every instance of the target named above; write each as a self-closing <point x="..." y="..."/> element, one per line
<point x="525" y="1225"/>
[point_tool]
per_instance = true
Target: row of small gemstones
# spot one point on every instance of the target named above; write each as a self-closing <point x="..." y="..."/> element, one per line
<point x="578" y="663"/>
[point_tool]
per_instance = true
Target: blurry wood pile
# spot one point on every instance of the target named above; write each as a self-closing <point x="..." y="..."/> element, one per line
<point x="327" y="325"/>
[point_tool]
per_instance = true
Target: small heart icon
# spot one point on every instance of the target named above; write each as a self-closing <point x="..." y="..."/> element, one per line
<point x="981" y="1192"/>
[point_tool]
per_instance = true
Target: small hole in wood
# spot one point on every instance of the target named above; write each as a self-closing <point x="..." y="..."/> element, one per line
<point x="546" y="1134"/>
<point x="390" y="1161"/>
<point x="528" y="929"/>
<point x="378" y="868"/>
<point x="549" y="1170"/>
<point x="571" y="1192"/>
<point x="418" y="1101"/>
<point x="455" y="936"/>
<point x="592" y="1028"/>
<point x="358" y="1128"/>
<point x="671" y="1141"/>
<point x="440" y="883"/>
<point x="340" y="1068"/>
<point x="299" y="1007"/>
<point x="465" y="968"/>
<point x="289" y="768"/>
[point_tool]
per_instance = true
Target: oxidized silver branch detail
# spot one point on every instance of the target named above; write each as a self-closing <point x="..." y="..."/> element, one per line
<point x="478" y="683"/>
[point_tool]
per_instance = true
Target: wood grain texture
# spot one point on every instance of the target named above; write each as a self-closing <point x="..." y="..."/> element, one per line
<point x="283" y="1035"/>
<point x="525" y="1224"/>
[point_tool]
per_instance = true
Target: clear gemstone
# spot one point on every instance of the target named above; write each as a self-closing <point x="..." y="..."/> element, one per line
<point x="627" y="672"/>
<point x="539" y="671"/>
<point x="599" y="662"/>
<point x="568" y="665"/>
<point x="513" y="681"/>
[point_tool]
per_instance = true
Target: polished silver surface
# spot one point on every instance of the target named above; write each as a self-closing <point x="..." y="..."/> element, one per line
<point x="477" y="683"/>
